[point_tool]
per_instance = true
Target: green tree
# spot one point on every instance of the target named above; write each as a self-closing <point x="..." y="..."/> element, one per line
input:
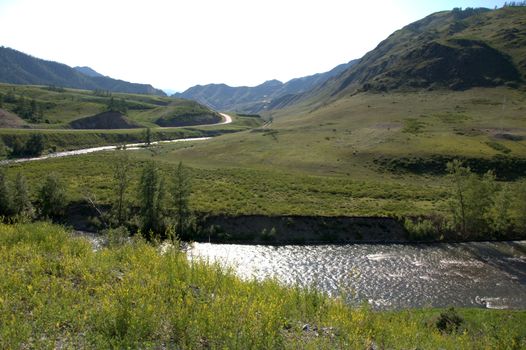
<point x="519" y="206"/>
<point x="151" y="199"/>
<point x="40" y="113"/>
<point x="17" y="147"/>
<point x="34" y="145"/>
<point x="117" y="105"/>
<point x="23" y="108"/>
<point x="52" y="197"/>
<point x="1" y="101"/>
<point x="121" y="177"/>
<point x="21" y="202"/>
<point x="33" y="107"/>
<point x="499" y="214"/>
<point x="181" y="191"/>
<point x="5" y="195"/>
<point x="3" y="149"/>
<point x="472" y="197"/>
<point x="458" y="175"/>
<point x="148" y="136"/>
<point x="480" y="193"/>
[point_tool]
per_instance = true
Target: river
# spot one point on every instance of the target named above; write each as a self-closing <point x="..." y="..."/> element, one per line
<point x="131" y="146"/>
<point x="393" y="276"/>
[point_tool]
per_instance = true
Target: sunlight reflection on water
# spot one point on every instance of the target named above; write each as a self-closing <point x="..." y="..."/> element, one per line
<point x="480" y="274"/>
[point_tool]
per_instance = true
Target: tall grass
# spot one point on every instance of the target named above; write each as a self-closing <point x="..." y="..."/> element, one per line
<point x="56" y="292"/>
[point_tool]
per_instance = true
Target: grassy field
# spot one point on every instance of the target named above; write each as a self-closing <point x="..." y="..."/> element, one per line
<point x="330" y="161"/>
<point x="246" y="191"/>
<point x="56" y="292"/>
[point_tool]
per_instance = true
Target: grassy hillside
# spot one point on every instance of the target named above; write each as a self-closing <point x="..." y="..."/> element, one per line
<point x="109" y="118"/>
<point x="355" y="135"/>
<point x="456" y="50"/>
<point x="56" y="292"/>
<point x="56" y="107"/>
<point x="67" y="139"/>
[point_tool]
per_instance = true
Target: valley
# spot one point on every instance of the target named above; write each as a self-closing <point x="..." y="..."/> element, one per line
<point x="380" y="204"/>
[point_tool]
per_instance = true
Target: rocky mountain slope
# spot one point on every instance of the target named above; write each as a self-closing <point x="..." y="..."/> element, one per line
<point x="452" y="50"/>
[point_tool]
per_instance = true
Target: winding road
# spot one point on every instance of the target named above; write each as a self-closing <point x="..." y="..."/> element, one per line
<point x="131" y="146"/>
<point x="228" y="119"/>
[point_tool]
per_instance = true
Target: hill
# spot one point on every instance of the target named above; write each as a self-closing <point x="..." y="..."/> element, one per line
<point x="104" y="120"/>
<point x="19" y="68"/>
<point x="453" y="50"/>
<point x="185" y="113"/>
<point x="258" y="98"/>
<point x="399" y="133"/>
<point x="56" y="108"/>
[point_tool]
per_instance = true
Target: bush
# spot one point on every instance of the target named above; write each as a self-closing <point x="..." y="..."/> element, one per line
<point x="420" y="228"/>
<point x="52" y="197"/>
<point x="449" y="321"/>
<point x="116" y="236"/>
<point x="34" y="146"/>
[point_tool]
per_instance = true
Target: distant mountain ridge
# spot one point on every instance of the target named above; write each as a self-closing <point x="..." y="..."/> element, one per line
<point x="258" y="98"/>
<point x="88" y="71"/>
<point x="19" y="68"/>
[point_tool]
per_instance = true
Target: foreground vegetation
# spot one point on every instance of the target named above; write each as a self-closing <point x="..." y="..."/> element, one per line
<point x="57" y="292"/>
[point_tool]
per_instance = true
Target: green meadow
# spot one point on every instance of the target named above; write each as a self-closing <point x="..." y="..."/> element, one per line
<point x="366" y="155"/>
<point x="57" y="292"/>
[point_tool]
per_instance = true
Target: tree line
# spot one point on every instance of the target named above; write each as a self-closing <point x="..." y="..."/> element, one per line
<point x="481" y="206"/>
<point x="162" y="207"/>
<point x="16" y="204"/>
<point x="32" y="147"/>
<point x="478" y="206"/>
<point x="28" y="109"/>
<point x="514" y="4"/>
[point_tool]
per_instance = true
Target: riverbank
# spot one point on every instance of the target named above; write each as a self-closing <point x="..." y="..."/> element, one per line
<point x="296" y="229"/>
<point x="287" y="229"/>
<point x="301" y="229"/>
<point x="59" y="293"/>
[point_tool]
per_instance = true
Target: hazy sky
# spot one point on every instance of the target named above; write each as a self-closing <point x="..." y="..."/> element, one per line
<point x="177" y="44"/>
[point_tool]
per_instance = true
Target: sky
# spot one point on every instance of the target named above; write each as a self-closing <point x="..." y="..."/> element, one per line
<point x="176" y="44"/>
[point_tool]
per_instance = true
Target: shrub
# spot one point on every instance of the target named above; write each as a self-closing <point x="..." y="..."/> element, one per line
<point x="420" y="228"/>
<point x="52" y="197"/>
<point x="449" y="321"/>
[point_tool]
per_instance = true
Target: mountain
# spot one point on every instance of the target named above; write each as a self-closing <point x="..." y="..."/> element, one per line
<point x="19" y="68"/>
<point x="88" y="71"/>
<point x="255" y="99"/>
<point x="451" y="50"/>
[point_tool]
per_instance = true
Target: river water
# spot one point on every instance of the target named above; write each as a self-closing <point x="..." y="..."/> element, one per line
<point x="131" y="146"/>
<point x="479" y="274"/>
